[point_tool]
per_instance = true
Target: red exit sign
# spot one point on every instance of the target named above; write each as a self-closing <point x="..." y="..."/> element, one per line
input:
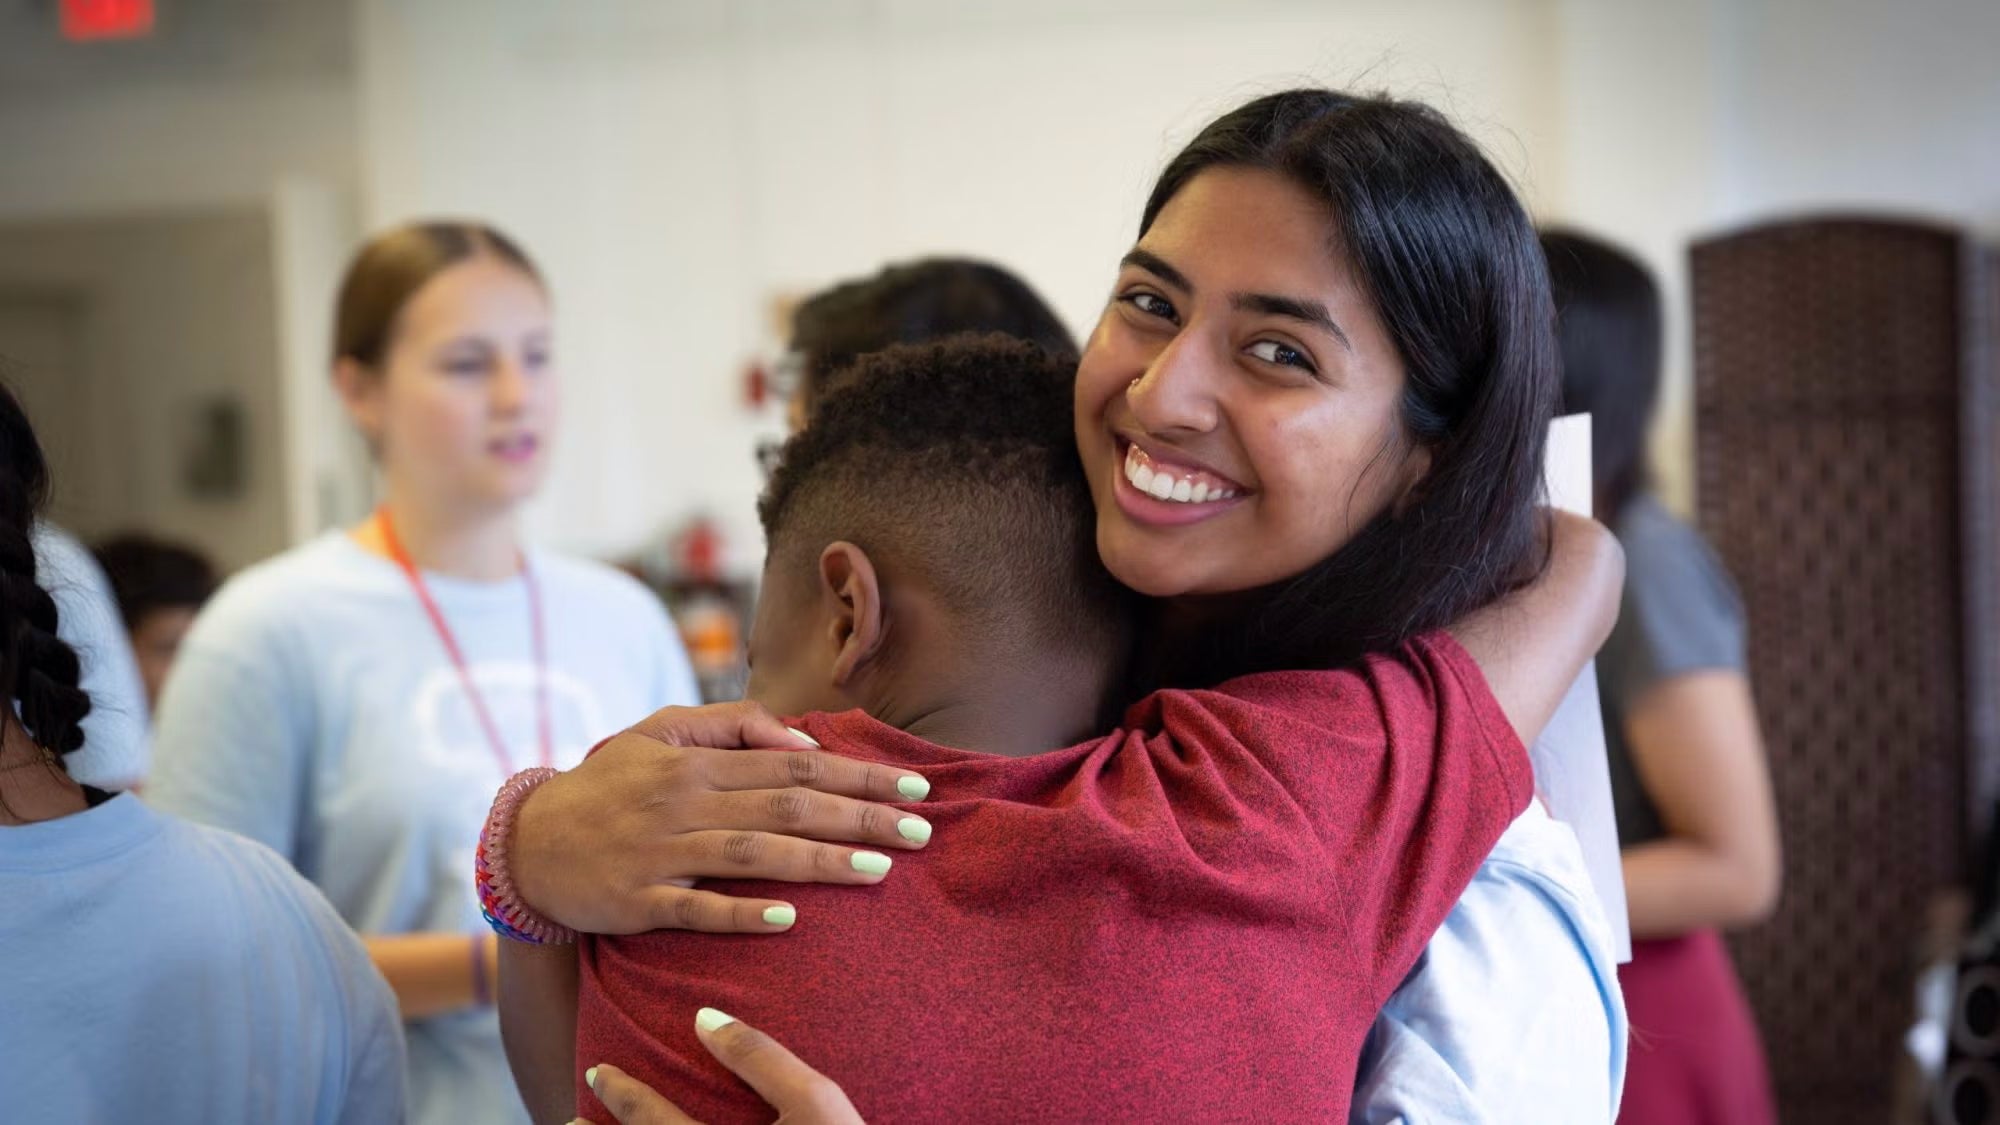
<point x="84" y="20"/>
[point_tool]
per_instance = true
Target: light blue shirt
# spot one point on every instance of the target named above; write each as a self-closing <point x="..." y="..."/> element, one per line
<point x="313" y="708"/>
<point x="116" y="751"/>
<point x="156" y="970"/>
<point x="1514" y="1012"/>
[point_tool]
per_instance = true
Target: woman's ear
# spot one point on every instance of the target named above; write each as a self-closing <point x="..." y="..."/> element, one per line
<point x="361" y="390"/>
<point x="859" y="622"/>
<point x="1416" y="471"/>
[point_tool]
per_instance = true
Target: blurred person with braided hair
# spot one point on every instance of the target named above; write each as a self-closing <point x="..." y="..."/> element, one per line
<point x="155" y="970"/>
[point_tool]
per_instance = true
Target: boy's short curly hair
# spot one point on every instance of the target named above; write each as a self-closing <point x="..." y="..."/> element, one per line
<point x="953" y="465"/>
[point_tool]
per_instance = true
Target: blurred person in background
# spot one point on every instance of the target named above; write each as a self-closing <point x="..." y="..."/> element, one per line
<point x="156" y="970"/>
<point x="354" y="702"/>
<point x="160" y="587"/>
<point x="1696" y="820"/>
<point x="910" y="303"/>
<point x="117" y="751"/>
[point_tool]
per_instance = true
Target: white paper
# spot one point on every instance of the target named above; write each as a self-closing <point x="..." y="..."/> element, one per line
<point x="1572" y="771"/>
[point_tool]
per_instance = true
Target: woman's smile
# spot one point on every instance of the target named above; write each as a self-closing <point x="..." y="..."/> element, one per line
<point x="1164" y="488"/>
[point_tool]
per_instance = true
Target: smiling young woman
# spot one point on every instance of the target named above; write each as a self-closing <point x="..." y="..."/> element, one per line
<point x="355" y="702"/>
<point x="1335" y="333"/>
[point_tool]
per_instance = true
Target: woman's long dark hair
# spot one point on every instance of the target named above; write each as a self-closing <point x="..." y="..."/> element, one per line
<point x="39" y="671"/>
<point x="1444" y="249"/>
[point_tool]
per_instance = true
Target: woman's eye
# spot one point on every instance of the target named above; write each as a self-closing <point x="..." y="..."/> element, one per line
<point x="1271" y="351"/>
<point x="1152" y="304"/>
<point x="466" y="365"/>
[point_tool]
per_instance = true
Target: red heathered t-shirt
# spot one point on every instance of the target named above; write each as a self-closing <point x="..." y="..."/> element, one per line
<point x="1195" y="918"/>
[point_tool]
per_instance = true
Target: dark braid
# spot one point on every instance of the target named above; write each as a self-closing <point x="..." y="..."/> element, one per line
<point x="39" y="671"/>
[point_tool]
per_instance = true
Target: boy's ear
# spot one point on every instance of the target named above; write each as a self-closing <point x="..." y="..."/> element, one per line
<point x="847" y="577"/>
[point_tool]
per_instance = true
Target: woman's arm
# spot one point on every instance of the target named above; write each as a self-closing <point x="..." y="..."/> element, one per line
<point x="1534" y="643"/>
<point x="538" y="1025"/>
<point x="1695" y="743"/>
<point x="607" y="847"/>
<point x="435" y="973"/>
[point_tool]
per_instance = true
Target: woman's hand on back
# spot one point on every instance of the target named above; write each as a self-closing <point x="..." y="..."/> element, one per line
<point x="800" y="1094"/>
<point x="612" y="845"/>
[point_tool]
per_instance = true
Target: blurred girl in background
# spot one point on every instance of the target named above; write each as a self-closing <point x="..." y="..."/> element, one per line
<point x="1695" y="816"/>
<point x="355" y="702"/>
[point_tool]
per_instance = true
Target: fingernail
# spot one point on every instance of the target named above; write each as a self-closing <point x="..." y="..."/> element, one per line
<point x="914" y="829"/>
<point x="780" y="915"/>
<point x="912" y="787"/>
<point x="815" y="741"/>
<point x="590" y="1078"/>
<point x="708" y="1019"/>
<point x="871" y="863"/>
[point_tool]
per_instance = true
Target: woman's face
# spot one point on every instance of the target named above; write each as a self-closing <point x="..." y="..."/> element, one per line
<point x="1237" y="407"/>
<point x="465" y="403"/>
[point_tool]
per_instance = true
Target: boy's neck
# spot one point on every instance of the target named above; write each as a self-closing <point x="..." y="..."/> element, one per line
<point x="1016" y="709"/>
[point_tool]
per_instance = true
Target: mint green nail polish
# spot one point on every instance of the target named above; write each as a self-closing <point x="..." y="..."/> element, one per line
<point x="780" y="915"/>
<point x="871" y="863"/>
<point x="590" y="1078"/>
<point x="708" y="1019"/>
<point x="914" y="830"/>
<point x="912" y="787"/>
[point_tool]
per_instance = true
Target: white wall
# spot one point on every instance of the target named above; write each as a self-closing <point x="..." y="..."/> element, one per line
<point x="176" y="309"/>
<point x="223" y="112"/>
<point x="677" y="162"/>
<point x="674" y="165"/>
<point x="189" y="144"/>
<point x="1853" y="104"/>
<point x="1682" y="121"/>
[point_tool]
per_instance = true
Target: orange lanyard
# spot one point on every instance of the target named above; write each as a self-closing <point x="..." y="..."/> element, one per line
<point x="451" y="648"/>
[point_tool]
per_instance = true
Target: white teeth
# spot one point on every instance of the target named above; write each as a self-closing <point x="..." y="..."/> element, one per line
<point x="1163" y="486"/>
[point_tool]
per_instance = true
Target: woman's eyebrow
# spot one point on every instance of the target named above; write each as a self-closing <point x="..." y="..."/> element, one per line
<point x="1312" y="312"/>
<point x="1154" y="264"/>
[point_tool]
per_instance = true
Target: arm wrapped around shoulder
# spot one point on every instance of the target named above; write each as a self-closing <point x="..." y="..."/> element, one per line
<point x="1532" y="644"/>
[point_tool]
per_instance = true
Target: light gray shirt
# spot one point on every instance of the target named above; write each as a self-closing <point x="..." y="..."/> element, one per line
<point x="313" y="708"/>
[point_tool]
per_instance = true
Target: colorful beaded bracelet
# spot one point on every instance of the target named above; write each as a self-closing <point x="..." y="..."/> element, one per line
<point x="498" y="901"/>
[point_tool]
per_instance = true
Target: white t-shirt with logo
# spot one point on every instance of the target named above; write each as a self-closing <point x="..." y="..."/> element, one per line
<point x="314" y="708"/>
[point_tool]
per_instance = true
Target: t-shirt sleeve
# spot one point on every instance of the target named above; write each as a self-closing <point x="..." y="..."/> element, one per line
<point x="1514" y="1011"/>
<point x="1680" y="612"/>
<point x="376" y="1079"/>
<point x="327" y="1023"/>
<point x="1404" y="766"/>
<point x="232" y="743"/>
